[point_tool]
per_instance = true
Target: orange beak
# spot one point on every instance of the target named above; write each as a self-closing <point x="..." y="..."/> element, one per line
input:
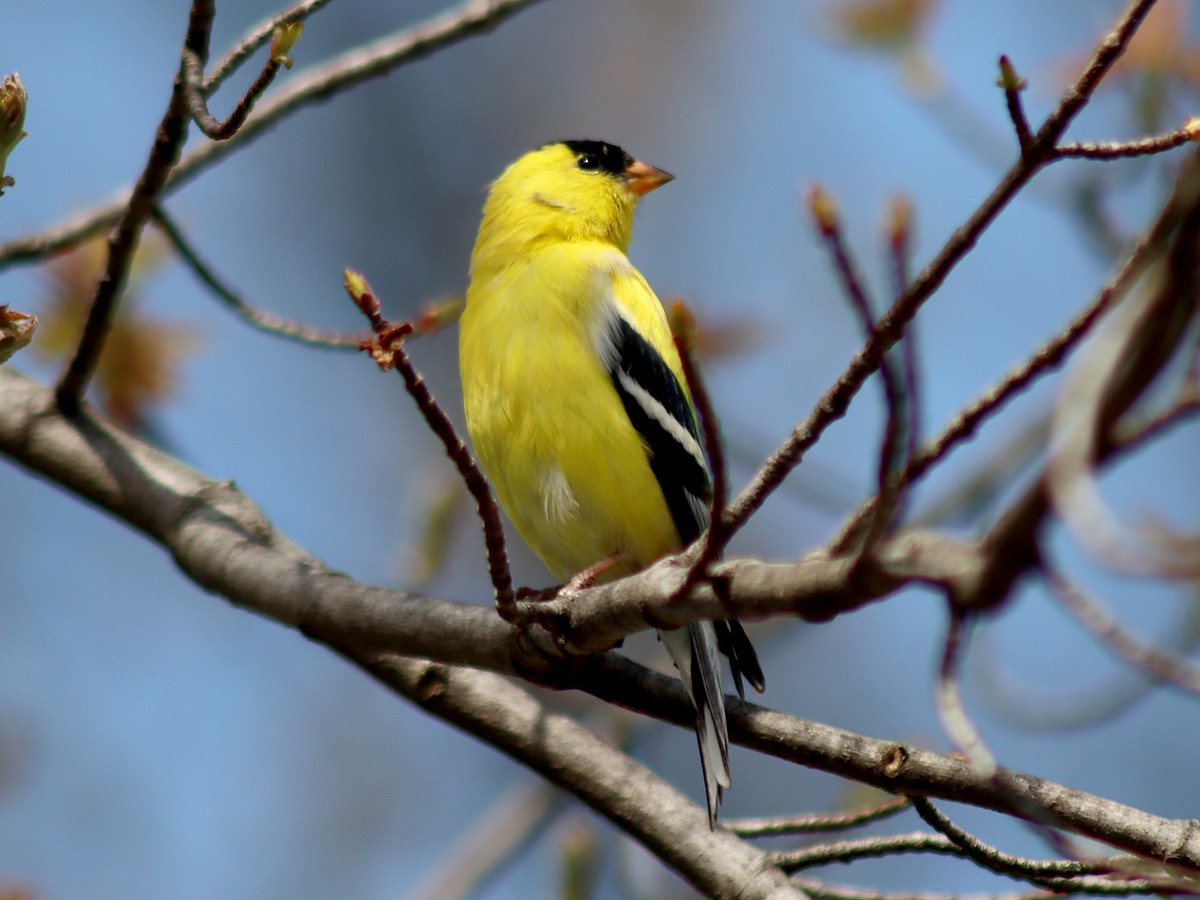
<point x="641" y="179"/>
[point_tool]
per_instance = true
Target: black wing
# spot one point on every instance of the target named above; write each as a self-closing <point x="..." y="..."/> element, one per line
<point x="659" y="409"/>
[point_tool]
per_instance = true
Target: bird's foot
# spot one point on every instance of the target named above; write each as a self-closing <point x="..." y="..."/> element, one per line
<point x="589" y="576"/>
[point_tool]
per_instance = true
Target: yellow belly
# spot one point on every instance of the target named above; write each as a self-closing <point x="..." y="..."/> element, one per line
<point x="549" y="429"/>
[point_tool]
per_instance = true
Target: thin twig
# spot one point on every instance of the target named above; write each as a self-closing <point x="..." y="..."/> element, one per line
<point x="944" y="844"/>
<point x="123" y="239"/>
<point x="347" y="70"/>
<point x="955" y="718"/>
<point x="223" y="542"/>
<point x="193" y="87"/>
<point x="276" y="325"/>
<point x="517" y="819"/>
<point x="1053" y="870"/>
<point x="824" y="211"/>
<point x="1105" y="56"/>
<point x="1160" y="665"/>
<point x="388" y="352"/>
<point x="864" y="848"/>
<point x="255" y="38"/>
<point x="1013" y="84"/>
<point x="821" y="890"/>
<point x="818" y="822"/>
<point x="1044" y="360"/>
<point x="1186" y="405"/>
<point x="900" y="218"/>
<point x="1126" y="149"/>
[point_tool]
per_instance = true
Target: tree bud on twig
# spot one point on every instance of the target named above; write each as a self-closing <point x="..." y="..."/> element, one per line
<point x="12" y="121"/>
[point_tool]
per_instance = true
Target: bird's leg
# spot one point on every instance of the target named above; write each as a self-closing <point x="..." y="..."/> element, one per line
<point x="588" y="576"/>
<point x="578" y="582"/>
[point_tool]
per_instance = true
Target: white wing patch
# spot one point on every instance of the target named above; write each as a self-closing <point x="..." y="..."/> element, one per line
<point x="663" y="417"/>
<point x="603" y="332"/>
<point x="558" y="500"/>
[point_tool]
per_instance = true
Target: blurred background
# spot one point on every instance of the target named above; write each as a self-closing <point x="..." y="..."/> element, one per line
<point x="156" y="742"/>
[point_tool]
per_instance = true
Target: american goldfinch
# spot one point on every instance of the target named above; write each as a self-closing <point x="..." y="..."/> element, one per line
<point x="576" y="403"/>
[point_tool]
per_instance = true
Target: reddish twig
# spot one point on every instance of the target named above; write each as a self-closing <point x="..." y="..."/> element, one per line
<point x="268" y="322"/>
<point x="834" y="403"/>
<point x="387" y="349"/>
<point x="1044" y="360"/>
<point x="1013" y="84"/>
<point x="197" y="105"/>
<point x="824" y="211"/>
<point x="123" y="239"/>
<point x="899" y="233"/>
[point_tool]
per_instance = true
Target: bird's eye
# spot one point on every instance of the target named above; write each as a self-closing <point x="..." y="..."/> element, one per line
<point x="589" y="162"/>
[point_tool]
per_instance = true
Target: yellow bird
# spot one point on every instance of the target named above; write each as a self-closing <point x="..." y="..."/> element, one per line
<point x="576" y="403"/>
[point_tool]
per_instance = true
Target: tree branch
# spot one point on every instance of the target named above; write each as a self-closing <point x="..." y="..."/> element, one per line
<point x="567" y="754"/>
<point x="223" y="542"/>
<point x="134" y="211"/>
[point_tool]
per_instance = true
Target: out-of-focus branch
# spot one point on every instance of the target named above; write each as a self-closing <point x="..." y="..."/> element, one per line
<point x="824" y="211"/>
<point x="1157" y="663"/>
<point x="314" y="85"/>
<point x="1140" y="339"/>
<point x="1151" y="329"/>
<point x="899" y="239"/>
<point x="520" y="816"/>
<point x="272" y="324"/>
<point x="948" y="694"/>
<point x="567" y="754"/>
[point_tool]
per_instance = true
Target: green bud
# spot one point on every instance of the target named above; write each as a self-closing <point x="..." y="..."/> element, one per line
<point x="282" y="42"/>
<point x="12" y="120"/>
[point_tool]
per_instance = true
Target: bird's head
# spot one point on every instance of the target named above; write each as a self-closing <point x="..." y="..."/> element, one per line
<point x="569" y="190"/>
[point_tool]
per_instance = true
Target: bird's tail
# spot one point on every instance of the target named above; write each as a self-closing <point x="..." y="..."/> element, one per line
<point x="694" y="651"/>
